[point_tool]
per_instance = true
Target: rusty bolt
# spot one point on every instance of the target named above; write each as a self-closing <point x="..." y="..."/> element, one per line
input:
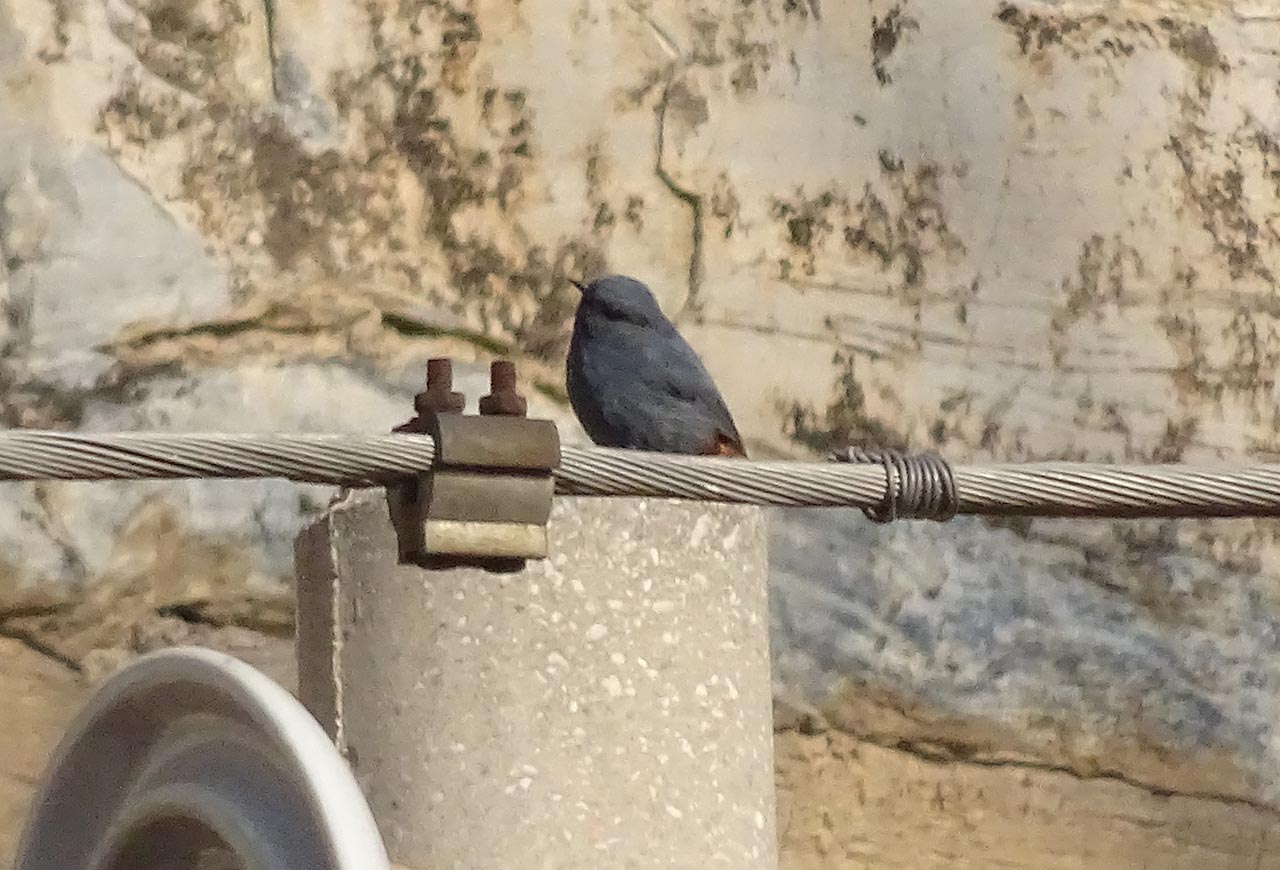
<point x="437" y="398"/>
<point x="503" y="400"/>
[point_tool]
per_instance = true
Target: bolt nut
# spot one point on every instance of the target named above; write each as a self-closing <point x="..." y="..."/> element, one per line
<point x="503" y="400"/>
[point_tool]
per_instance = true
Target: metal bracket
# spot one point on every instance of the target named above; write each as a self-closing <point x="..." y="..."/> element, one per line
<point x="487" y="498"/>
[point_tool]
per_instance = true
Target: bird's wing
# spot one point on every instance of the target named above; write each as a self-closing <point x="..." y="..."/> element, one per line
<point x="681" y="375"/>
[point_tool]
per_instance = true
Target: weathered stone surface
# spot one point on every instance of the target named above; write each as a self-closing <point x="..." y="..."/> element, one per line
<point x="1010" y="229"/>
<point x="855" y="804"/>
<point x="968" y="643"/>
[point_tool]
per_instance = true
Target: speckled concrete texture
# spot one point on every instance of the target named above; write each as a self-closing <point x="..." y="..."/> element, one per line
<point x="609" y="707"/>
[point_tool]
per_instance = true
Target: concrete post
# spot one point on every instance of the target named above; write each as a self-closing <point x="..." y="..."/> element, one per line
<point x="607" y="708"/>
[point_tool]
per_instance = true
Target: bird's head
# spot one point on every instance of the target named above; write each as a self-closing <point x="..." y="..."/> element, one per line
<point x="619" y="298"/>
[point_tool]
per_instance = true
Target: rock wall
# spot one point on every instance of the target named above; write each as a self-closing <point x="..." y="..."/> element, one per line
<point x="1013" y="230"/>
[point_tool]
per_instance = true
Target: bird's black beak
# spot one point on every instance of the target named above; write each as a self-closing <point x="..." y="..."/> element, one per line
<point x="582" y="288"/>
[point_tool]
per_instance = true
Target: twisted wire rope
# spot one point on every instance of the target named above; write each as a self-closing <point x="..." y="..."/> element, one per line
<point x="875" y="482"/>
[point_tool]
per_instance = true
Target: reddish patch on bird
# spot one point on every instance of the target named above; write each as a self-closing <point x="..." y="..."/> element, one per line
<point x="724" y="445"/>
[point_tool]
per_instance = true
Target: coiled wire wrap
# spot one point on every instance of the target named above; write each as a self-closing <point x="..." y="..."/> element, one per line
<point x="918" y="486"/>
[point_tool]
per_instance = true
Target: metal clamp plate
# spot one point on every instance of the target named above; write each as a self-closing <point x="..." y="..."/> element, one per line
<point x="486" y="499"/>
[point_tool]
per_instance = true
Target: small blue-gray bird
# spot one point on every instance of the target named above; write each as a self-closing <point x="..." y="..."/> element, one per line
<point x="635" y="382"/>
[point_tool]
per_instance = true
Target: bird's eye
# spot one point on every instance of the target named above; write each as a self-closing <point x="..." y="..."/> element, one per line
<point x="611" y="309"/>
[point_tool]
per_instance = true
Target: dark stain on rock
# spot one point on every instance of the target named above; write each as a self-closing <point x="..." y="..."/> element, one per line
<point x="843" y="422"/>
<point x="1075" y="35"/>
<point x="965" y="297"/>
<point x="1219" y="198"/>
<point x="706" y="29"/>
<point x="457" y="175"/>
<point x="34" y="403"/>
<point x="898" y="223"/>
<point x="653" y="79"/>
<point x="1194" y="44"/>
<point x="1178" y="436"/>
<point x="326" y="211"/>
<point x="599" y="192"/>
<point x="634" y="213"/>
<point x="1102" y="273"/>
<point x="1035" y="31"/>
<point x="604" y="218"/>
<point x="806" y="223"/>
<point x="458" y="26"/>
<point x="1113" y="35"/>
<point x="725" y="206"/>
<point x="129" y="119"/>
<point x="1253" y="344"/>
<point x="888" y="162"/>
<point x="802" y="9"/>
<point x="193" y="49"/>
<point x="1267" y="147"/>
<point x="686" y="107"/>
<point x="303" y="202"/>
<point x="953" y="410"/>
<point x="744" y="79"/>
<point x="594" y="169"/>
<point x="751" y="59"/>
<point x="1100" y="286"/>
<point x="901" y="237"/>
<point x="54" y="49"/>
<point x="886" y="35"/>
<point x="1192" y="377"/>
<point x="801" y="230"/>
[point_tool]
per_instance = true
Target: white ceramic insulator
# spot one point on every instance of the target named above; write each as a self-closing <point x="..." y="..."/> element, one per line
<point x="192" y="758"/>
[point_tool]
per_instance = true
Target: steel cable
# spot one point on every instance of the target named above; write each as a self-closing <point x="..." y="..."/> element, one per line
<point x="1030" y="489"/>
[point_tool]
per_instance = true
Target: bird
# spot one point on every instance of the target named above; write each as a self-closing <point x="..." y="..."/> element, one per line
<point x="634" y="382"/>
